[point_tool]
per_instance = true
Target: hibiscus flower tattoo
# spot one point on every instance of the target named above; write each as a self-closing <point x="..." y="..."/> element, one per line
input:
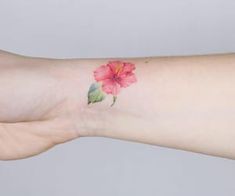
<point x="110" y="79"/>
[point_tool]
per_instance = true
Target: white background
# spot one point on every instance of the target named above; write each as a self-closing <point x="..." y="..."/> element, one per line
<point x="121" y="28"/>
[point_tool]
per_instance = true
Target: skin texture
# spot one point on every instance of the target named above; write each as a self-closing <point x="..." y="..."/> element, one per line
<point x="179" y="102"/>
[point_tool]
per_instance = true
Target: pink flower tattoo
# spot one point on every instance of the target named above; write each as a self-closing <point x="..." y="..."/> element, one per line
<point x="110" y="79"/>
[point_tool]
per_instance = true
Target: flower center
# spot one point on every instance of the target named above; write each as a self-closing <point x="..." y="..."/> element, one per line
<point x="116" y="78"/>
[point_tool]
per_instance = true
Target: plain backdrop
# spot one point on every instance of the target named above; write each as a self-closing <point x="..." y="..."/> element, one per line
<point x="117" y="28"/>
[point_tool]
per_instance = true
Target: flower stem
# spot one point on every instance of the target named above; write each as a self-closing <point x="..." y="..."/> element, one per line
<point x="114" y="100"/>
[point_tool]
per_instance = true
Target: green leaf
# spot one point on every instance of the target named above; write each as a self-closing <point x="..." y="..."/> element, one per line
<point x="95" y="94"/>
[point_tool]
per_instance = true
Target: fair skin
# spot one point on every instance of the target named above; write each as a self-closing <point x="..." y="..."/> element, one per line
<point x="178" y="102"/>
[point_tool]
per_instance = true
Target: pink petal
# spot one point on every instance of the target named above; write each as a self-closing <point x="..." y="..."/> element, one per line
<point x="128" y="67"/>
<point x="126" y="80"/>
<point x="111" y="87"/>
<point x="103" y="72"/>
<point x="114" y="64"/>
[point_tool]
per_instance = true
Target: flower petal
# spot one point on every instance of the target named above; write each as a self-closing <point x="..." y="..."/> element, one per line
<point x="103" y="72"/>
<point x="128" y="67"/>
<point x="115" y="66"/>
<point x="110" y="87"/>
<point x="126" y="80"/>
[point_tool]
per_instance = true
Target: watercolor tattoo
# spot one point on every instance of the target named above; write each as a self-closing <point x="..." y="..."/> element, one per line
<point x="110" y="78"/>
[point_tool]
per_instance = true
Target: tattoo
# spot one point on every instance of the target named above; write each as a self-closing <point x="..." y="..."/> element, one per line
<point x="110" y="78"/>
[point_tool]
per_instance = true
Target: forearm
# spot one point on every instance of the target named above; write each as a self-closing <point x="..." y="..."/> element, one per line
<point x="179" y="102"/>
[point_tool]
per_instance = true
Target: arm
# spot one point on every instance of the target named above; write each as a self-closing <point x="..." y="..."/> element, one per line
<point x="179" y="102"/>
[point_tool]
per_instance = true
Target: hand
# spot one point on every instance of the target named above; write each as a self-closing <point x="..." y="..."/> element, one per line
<point x="38" y="108"/>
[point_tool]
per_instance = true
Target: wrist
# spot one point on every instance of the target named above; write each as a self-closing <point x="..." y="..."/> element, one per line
<point x="97" y="119"/>
<point x="74" y="78"/>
